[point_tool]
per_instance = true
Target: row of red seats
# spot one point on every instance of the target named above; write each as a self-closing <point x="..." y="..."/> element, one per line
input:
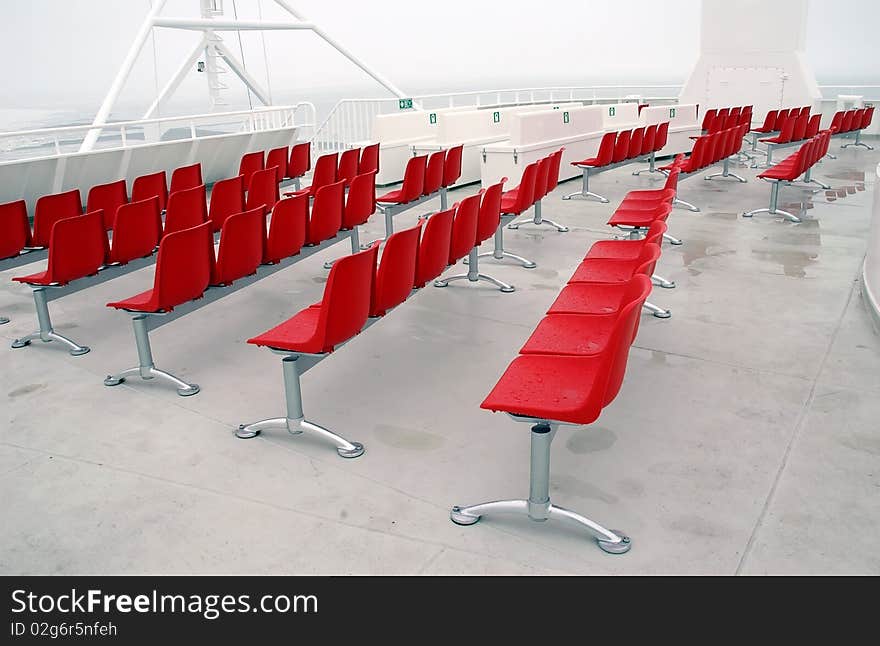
<point x="790" y="169"/>
<point x="573" y="364"/>
<point x="290" y="164"/>
<point x="357" y="290"/>
<point x="619" y="148"/>
<point x="716" y="120"/>
<point x="852" y="121"/>
<point x="334" y="167"/>
<point x="797" y="127"/>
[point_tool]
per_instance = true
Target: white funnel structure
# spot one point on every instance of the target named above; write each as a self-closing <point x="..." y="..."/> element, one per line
<point x="752" y="52"/>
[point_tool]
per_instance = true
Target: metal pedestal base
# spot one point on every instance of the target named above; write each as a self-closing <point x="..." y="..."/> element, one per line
<point x="662" y="282"/>
<point x="687" y="205"/>
<point x="498" y="253"/>
<point x="725" y="172"/>
<point x="672" y="239"/>
<point x="295" y="422"/>
<point x="774" y="198"/>
<point x="659" y="312"/>
<point x="3" y="320"/>
<point x="355" y="247"/>
<point x="538" y="506"/>
<point x="858" y="142"/>
<point x="585" y="190"/>
<point x="651" y="166"/>
<point x="147" y="369"/>
<point x="474" y="275"/>
<point x="46" y="333"/>
<point x="538" y="220"/>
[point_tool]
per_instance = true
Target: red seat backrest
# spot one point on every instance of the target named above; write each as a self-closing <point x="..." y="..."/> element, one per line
<point x="77" y="247"/>
<point x="434" y="247"/>
<point x="541" y="177"/>
<point x="722" y="114"/>
<point x="525" y="192"/>
<point x="735" y="112"/>
<point x="649" y="139"/>
<point x="185" y="177"/>
<point x="325" y="172"/>
<point x="868" y="118"/>
<point x="241" y="246"/>
<point x="51" y="208"/>
<point x="555" y="164"/>
<point x="107" y="197"/>
<point x="15" y="232"/>
<point x="183" y="267"/>
<point x="836" y="122"/>
<point x="369" y="161"/>
<point x="621" y="146"/>
<point x="348" y="165"/>
<point x="277" y="158"/>
<point x="662" y="136"/>
<point x="813" y="126"/>
<point x="708" y="118"/>
<point x="153" y="185"/>
<point x="769" y="121"/>
<point x="137" y="230"/>
<point x="186" y="209"/>
<point x="606" y="149"/>
<point x="452" y="166"/>
<point x="434" y="172"/>
<point x="781" y="118"/>
<point x="262" y="190"/>
<point x="326" y="217"/>
<point x="347" y="296"/>
<point x="361" y="201"/>
<point x="848" y="117"/>
<point x="251" y="163"/>
<point x="300" y="161"/>
<point x="413" y="179"/>
<point x="227" y="198"/>
<point x="396" y="272"/>
<point x="672" y="178"/>
<point x="635" y="143"/>
<point x="287" y="228"/>
<point x="490" y="211"/>
<point x="800" y="126"/>
<point x="787" y="130"/>
<point x="464" y="228"/>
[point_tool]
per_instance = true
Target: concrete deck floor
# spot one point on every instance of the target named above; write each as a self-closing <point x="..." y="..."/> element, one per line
<point x="745" y="438"/>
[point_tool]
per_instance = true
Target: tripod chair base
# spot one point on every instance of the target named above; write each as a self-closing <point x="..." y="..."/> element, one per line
<point x="46" y="333"/>
<point x="474" y="275"/>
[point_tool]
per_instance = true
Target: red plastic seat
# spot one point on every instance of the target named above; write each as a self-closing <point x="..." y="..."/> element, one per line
<point x="137" y="230"/>
<point x="434" y="172"/>
<point x="635" y="143"/>
<point x="621" y="146"/>
<point x="708" y="118"/>
<point x="251" y="163"/>
<point x="300" y="161"/>
<point x="464" y="228"/>
<point x="263" y="190"/>
<point x="607" y="270"/>
<point x="51" y="208"/>
<point x="186" y="209"/>
<point x="107" y="198"/>
<point x="434" y="247"/>
<point x="348" y="165"/>
<point x="542" y="177"/>
<point x="591" y="298"/>
<point x="848" y="118"/>
<point x="227" y="198"/>
<point x="585" y="335"/>
<point x="553" y="173"/>
<point x="277" y="158"/>
<point x="183" y="271"/>
<point x="836" y="122"/>
<point x="15" y="231"/>
<point x="152" y="185"/>
<point x="604" y="155"/>
<point x="627" y="249"/>
<point x="339" y="316"/>
<point x="77" y="248"/>
<point x="649" y="139"/>
<point x="361" y="201"/>
<point x="800" y="126"/>
<point x="769" y="123"/>
<point x="867" y="118"/>
<point x="287" y="229"/>
<point x="413" y="183"/>
<point x="396" y="273"/>
<point x="369" y="162"/>
<point x="186" y="177"/>
<point x="490" y="212"/>
<point x="662" y="136"/>
<point x="326" y="216"/>
<point x="241" y="246"/>
<point x="813" y="126"/>
<point x="654" y="196"/>
<point x="325" y="173"/>
<point x="452" y="166"/>
<point x="639" y="216"/>
<point x="517" y="200"/>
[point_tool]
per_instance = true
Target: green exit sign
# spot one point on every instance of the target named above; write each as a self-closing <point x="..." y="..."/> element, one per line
<point x="612" y="111"/>
<point x="671" y="113"/>
<point x="496" y="117"/>
<point x="565" y="117"/>
<point x="432" y="117"/>
<point x="404" y="104"/>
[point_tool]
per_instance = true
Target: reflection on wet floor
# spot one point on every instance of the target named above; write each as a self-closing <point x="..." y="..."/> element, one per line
<point x="856" y="183"/>
<point x="793" y="261"/>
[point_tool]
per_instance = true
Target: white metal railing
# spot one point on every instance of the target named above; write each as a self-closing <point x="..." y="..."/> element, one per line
<point x="870" y="92"/>
<point x="351" y="120"/>
<point x="27" y="144"/>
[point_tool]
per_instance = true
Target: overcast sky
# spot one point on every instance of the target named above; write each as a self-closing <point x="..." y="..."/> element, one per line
<point x="66" y="52"/>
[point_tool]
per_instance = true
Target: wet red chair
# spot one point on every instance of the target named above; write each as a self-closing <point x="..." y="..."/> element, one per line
<point x="360" y="204"/>
<point x="251" y="163"/>
<point x="15" y="230"/>
<point x="152" y="185"/>
<point x="434" y="248"/>
<point x="183" y="271"/>
<point x="137" y="230"/>
<point x="325" y="219"/>
<point x="784" y="137"/>
<point x="654" y="143"/>
<point x="262" y="190"/>
<point x="730" y="146"/>
<point x="277" y="158"/>
<point x="187" y="208"/>
<point x="51" y="208"/>
<point x="369" y="162"/>
<point x="186" y="177"/>
<point x="107" y="198"/>
<point x="451" y="171"/>
<point x="325" y="173"/>
<point x="300" y="162"/>
<point x="464" y="230"/>
<point x="409" y="194"/>
<point x="348" y="165"/>
<point x="287" y="229"/>
<point x="708" y="118"/>
<point x="769" y="123"/>
<point x="604" y="157"/>
<point x="864" y="120"/>
<point x="396" y="273"/>
<point x="77" y="248"/>
<point x="513" y="203"/>
<point x="546" y="180"/>
<point x="227" y="198"/>
<point x="786" y="171"/>
<point x="434" y="173"/>
<point x="241" y="246"/>
<point x="547" y="391"/>
<point x="636" y="139"/>
<point x="319" y="330"/>
<point x="836" y="122"/>
<point x="813" y="126"/>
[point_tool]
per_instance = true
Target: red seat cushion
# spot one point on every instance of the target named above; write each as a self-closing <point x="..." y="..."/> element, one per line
<point x="295" y="334"/>
<point x="571" y="334"/>
<point x="138" y="303"/>
<point x="589" y="298"/>
<point x="392" y="197"/>
<point x="603" y="270"/>
<point x="592" y="162"/>
<point x="616" y="249"/>
<point x="40" y="278"/>
<point x="560" y="388"/>
<point x="633" y="217"/>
